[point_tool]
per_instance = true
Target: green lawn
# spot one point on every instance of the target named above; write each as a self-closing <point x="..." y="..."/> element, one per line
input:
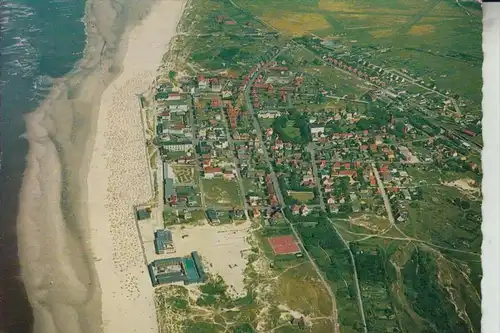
<point x="428" y="38"/>
<point x="290" y="130"/>
<point x="303" y="196"/>
<point x="222" y="192"/>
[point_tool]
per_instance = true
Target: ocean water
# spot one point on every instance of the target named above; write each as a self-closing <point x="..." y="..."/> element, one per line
<point x="40" y="40"/>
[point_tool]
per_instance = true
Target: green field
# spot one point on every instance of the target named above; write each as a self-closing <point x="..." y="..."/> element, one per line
<point x="445" y="216"/>
<point x="340" y="82"/>
<point x="333" y="259"/>
<point x="222" y="192"/>
<point x="434" y="38"/>
<point x="303" y="196"/>
<point x="290" y="130"/>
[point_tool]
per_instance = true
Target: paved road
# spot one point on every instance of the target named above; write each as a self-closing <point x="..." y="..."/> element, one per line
<point x="311" y="148"/>
<point x="195" y="153"/>
<point x="356" y="280"/>
<point x="387" y="203"/>
<point x="236" y="164"/>
<point x="333" y="160"/>
<point x="256" y="125"/>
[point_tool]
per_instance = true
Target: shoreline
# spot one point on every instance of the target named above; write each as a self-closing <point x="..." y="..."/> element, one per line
<point x="55" y="254"/>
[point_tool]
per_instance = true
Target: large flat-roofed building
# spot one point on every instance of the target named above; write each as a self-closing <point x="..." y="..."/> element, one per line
<point x="177" y="146"/>
<point x="187" y="270"/>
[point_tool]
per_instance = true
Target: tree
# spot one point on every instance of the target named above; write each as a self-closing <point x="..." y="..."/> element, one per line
<point x="172" y="75"/>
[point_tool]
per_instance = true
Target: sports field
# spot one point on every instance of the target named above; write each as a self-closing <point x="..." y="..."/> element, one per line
<point x="285" y="244"/>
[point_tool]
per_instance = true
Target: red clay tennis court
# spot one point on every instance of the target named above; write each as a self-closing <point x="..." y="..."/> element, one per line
<point x="284" y="244"/>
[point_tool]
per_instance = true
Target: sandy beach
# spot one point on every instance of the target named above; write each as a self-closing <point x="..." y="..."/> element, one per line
<point x="119" y="178"/>
<point x="79" y="250"/>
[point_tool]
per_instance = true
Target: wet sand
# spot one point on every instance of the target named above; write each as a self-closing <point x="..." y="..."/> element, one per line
<point x="79" y="274"/>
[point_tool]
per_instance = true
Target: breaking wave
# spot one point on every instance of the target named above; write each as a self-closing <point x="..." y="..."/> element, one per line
<point x="19" y="55"/>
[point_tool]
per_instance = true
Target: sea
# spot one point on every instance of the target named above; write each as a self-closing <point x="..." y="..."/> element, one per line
<point x="40" y="41"/>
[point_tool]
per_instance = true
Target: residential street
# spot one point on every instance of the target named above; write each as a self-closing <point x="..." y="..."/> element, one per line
<point x="282" y="201"/>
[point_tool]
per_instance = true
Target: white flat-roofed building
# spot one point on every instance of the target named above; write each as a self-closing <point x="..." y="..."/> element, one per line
<point x="177" y="146"/>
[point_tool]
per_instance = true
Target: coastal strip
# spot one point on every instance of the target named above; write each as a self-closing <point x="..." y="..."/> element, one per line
<point x="119" y="177"/>
<point x="62" y="234"/>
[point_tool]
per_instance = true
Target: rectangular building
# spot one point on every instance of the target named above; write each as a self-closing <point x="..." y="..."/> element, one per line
<point x="163" y="242"/>
<point x="187" y="270"/>
<point x="177" y="146"/>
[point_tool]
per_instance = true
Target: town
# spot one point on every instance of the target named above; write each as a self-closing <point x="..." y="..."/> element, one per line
<point x="309" y="139"/>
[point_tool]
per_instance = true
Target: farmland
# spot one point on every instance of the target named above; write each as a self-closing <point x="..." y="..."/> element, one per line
<point x="434" y="38"/>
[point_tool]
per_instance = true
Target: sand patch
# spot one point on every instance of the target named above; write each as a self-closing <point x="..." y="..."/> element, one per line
<point x="466" y="185"/>
<point x="421" y="30"/>
<point x="222" y="248"/>
<point x="372" y="223"/>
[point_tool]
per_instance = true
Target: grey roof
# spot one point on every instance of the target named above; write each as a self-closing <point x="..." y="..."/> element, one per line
<point x="211" y="214"/>
<point x="168" y="187"/>
<point x="165" y="235"/>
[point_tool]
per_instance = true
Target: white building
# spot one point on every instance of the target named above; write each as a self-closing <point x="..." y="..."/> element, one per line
<point x="271" y="114"/>
<point x="315" y="130"/>
<point x="178" y="146"/>
<point x="178" y="108"/>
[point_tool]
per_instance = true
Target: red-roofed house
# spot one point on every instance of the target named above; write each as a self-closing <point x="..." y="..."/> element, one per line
<point x="174" y="96"/>
<point x="215" y="103"/>
<point x="210" y="172"/>
<point x="228" y="175"/>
